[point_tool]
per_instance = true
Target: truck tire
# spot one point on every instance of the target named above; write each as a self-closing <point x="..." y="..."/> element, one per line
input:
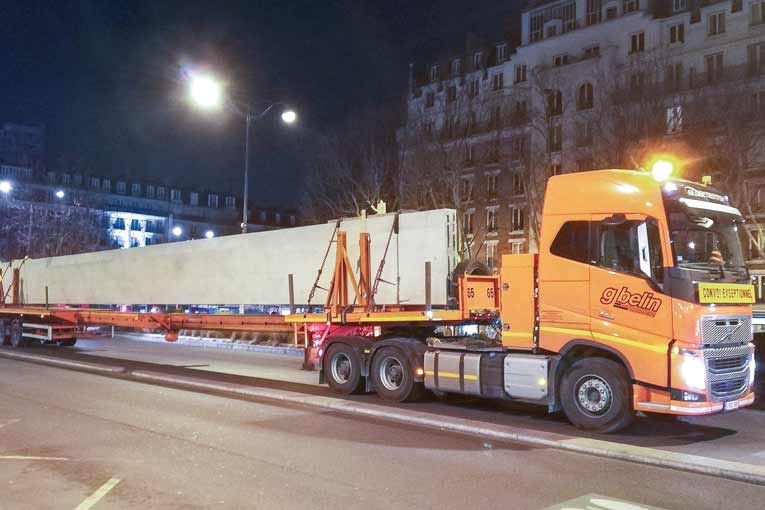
<point x="4" y="338"/>
<point x="342" y="368"/>
<point x="393" y="376"/>
<point x="17" y="340"/>
<point x="596" y="395"/>
<point x="66" y="343"/>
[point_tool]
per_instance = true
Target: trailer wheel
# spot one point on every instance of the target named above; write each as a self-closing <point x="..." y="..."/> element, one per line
<point x="596" y="395"/>
<point x="393" y="376"/>
<point x="4" y="340"/>
<point x="17" y="340"/>
<point x="66" y="343"/>
<point x="342" y="368"/>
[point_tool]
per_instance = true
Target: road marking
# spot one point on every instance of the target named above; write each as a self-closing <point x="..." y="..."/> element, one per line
<point x="8" y="421"/>
<point x="598" y="502"/>
<point x="25" y="457"/>
<point x="94" y="498"/>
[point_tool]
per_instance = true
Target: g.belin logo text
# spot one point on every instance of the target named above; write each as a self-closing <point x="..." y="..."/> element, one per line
<point x="646" y="302"/>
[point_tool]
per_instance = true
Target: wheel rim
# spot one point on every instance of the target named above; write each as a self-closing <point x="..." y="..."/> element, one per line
<point x="341" y="367"/>
<point x="391" y="373"/>
<point x="593" y="395"/>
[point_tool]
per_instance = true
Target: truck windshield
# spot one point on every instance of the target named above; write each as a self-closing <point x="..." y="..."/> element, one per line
<point x="706" y="240"/>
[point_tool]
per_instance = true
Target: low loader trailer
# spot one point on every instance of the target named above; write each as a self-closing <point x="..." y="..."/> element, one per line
<point x="638" y="300"/>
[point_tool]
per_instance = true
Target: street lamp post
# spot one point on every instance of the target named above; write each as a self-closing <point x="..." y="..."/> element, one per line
<point x="207" y="93"/>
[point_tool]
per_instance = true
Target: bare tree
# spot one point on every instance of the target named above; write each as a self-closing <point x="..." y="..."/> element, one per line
<point x="354" y="167"/>
<point x="47" y="230"/>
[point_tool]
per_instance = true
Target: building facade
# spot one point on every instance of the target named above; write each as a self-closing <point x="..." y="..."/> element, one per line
<point x="136" y="213"/>
<point x="592" y="84"/>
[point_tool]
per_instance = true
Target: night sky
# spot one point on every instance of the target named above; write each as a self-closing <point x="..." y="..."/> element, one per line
<point x="104" y="77"/>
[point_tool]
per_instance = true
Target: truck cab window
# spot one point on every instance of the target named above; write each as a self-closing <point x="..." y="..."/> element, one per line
<point x="631" y="247"/>
<point x="572" y="241"/>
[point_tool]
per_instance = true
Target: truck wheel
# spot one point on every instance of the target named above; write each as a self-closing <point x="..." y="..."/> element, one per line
<point x="342" y="368"/>
<point x="393" y="376"/>
<point x="17" y="340"/>
<point x="4" y="340"/>
<point x="596" y="395"/>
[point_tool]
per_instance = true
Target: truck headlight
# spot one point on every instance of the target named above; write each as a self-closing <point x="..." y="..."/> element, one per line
<point x="694" y="371"/>
<point x="752" y="370"/>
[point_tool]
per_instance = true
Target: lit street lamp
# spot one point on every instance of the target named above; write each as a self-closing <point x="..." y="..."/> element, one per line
<point x="177" y="231"/>
<point x="5" y="187"/>
<point x="207" y="93"/>
<point x="60" y="194"/>
<point x="209" y="234"/>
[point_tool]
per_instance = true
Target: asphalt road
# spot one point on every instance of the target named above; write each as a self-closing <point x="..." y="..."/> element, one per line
<point x="737" y="436"/>
<point x="65" y="434"/>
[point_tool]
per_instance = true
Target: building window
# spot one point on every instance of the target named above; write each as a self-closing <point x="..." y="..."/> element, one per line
<point x="584" y="134"/>
<point x="451" y="93"/>
<point x="756" y="58"/>
<point x="136" y="189"/>
<point x="516" y="248"/>
<point x="466" y="188"/>
<point x="474" y="87"/>
<point x="716" y="23"/>
<point x="491" y="254"/>
<point x="430" y="99"/>
<point x="560" y="60"/>
<point x="517" y="184"/>
<point x="119" y="224"/>
<point x="434" y="73"/>
<point x="555" y="169"/>
<point x="456" y="67"/>
<point x="467" y="222"/>
<point x="554" y="142"/>
<point x="477" y="59"/>
<point x="674" y="119"/>
<point x="636" y="84"/>
<point x="495" y="117"/>
<point x="95" y="183"/>
<point x="161" y="192"/>
<point x="584" y="165"/>
<point x="491" y="184"/>
<point x="135" y="225"/>
<point x="175" y="195"/>
<point x="679" y="5"/>
<point x="675" y="76"/>
<point x="565" y="12"/>
<point x="637" y="42"/>
<point x="212" y="201"/>
<point x="427" y="128"/>
<point x="106" y="185"/>
<point x="611" y="13"/>
<point x="194" y="198"/>
<point x="51" y="177"/>
<point x="66" y="178"/>
<point x="520" y="73"/>
<point x="585" y="97"/>
<point x="150" y="191"/>
<point x="518" y="148"/>
<point x="594" y="8"/>
<point x="230" y="201"/>
<point x="121" y="187"/>
<point x="516" y="219"/>
<point x="491" y="219"/>
<point x="592" y="51"/>
<point x="714" y="66"/>
<point x="677" y="33"/>
<point x="501" y="53"/>
<point x="758" y="13"/>
<point x="498" y="81"/>
<point x="630" y="6"/>
<point x="554" y="103"/>
<point x="520" y="112"/>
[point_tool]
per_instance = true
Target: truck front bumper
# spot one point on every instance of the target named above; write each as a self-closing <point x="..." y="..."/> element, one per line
<point x="682" y="408"/>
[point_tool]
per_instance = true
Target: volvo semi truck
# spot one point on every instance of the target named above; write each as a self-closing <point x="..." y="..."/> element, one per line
<point x="638" y="300"/>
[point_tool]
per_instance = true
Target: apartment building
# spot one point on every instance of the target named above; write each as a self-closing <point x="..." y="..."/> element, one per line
<point x="588" y="84"/>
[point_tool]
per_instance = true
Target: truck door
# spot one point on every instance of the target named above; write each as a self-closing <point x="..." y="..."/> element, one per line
<point x="628" y="311"/>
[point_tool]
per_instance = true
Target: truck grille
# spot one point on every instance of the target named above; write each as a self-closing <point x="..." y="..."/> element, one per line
<point x="728" y="371"/>
<point x="718" y="330"/>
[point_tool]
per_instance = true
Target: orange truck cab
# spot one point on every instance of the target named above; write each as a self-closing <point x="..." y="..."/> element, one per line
<point x="641" y="300"/>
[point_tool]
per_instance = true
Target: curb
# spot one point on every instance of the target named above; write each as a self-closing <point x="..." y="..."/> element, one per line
<point x="77" y="365"/>
<point x="641" y="455"/>
<point x="207" y="343"/>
